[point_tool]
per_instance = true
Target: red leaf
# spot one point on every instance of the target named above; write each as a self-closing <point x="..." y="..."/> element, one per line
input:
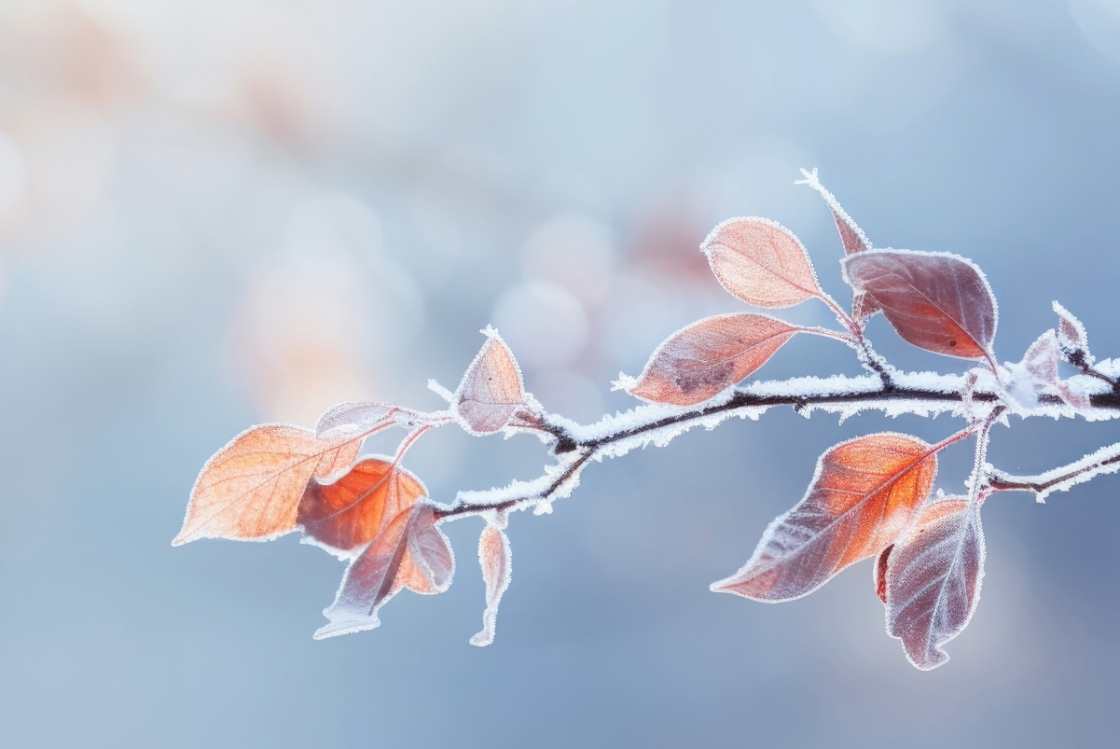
<point x="933" y="581"/>
<point x="761" y="263"/>
<point x="352" y="509"/>
<point x="411" y="552"/>
<point x="940" y="303"/>
<point x="709" y="356"/>
<point x="251" y="488"/>
<point x="494" y="556"/>
<point x="491" y="391"/>
<point x="864" y="494"/>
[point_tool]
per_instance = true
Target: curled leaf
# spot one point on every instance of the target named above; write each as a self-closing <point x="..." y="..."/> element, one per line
<point x="251" y="488"/>
<point x="881" y="573"/>
<point x="864" y="494"/>
<point x="940" y="303"/>
<point x="761" y="262"/>
<point x="851" y="236"/>
<point x="707" y="357"/>
<point x="494" y="557"/>
<point x="410" y="553"/>
<point x="933" y="580"/>
<point x="350" y="510"/>
<point x="491" y="391"/>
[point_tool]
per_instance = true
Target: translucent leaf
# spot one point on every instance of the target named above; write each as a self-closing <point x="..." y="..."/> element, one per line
<point x="250" y="489"/>
<point x="362" y="415"/>
<point x="709" y="356"/>
<point x="494" y="557"/>
<point x="491" y="391"/>
<point x="352" y="509"/>
<point x="933" y="580"/>
<point x="411" y="552"/>
<point x="761" y="263"/>
<point x="940" y="303"/>
<point x="864" y="494"/>
<point x="1036" y="376"/>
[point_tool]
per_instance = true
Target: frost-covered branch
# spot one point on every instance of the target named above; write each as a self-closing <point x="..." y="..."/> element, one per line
<point x="1061" y="479"/>
<point x="871" y="497"/>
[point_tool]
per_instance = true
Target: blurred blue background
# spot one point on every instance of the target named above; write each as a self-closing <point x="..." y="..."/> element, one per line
<point x="214" y="214"/>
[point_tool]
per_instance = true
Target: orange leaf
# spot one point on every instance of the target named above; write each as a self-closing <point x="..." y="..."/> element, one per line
<point x="494" y="556"/>
<point x="491" y="391"/>
<point x="251" y="488"/>
<point x="933" y="580"/>
<point x="411" y="552"/>
<point x="761" y="263"/>
<point x="940" y="303"/>
<point x="864" y="494"/>
<point x="709" y="356"/>
<point x="351" y="510"/>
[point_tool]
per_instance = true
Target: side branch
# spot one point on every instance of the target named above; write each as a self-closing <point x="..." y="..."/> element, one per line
<point x="1105" y="460"/>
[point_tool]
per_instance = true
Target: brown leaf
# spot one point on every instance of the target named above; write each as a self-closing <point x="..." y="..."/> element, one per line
<point x="761" y="263"/>
<point x="940" y="303"/>
<point x="491" y="391"/>
<point x="353" y="508"/>
<point x="250" y="489"/>
<point x="864" y="494"/>
<point x="410" y="553"/>
<point x="709" y="356"/>
<point x="494" y="556"/>
<point x="933" y="582"/>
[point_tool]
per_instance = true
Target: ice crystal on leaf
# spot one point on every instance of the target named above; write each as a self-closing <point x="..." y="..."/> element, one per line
<point x="869" y="498"/>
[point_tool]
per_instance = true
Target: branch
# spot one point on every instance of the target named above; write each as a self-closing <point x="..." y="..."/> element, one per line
<point x="613" y="436"/>
<point x="1103" y="461"/>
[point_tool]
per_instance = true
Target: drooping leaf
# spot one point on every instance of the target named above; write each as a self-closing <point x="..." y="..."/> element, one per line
<point x="433" y="562"/>
<point x="350" y="510"/>
<point x="411" y="552"/>
<point x="864" y="494"/>
<point x="760" y="262"/>
<point x="362" y="415"/>
<point x="933" y="580"/>
<point x="494" y="557"/>
<point x="491" y="391"/>
<point x="709" y="356"/>
<point x="940" y="303"/>
<point x="250" y="489"/>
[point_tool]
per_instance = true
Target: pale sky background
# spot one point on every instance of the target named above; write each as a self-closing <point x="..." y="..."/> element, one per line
<point x="214" y="214"/>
